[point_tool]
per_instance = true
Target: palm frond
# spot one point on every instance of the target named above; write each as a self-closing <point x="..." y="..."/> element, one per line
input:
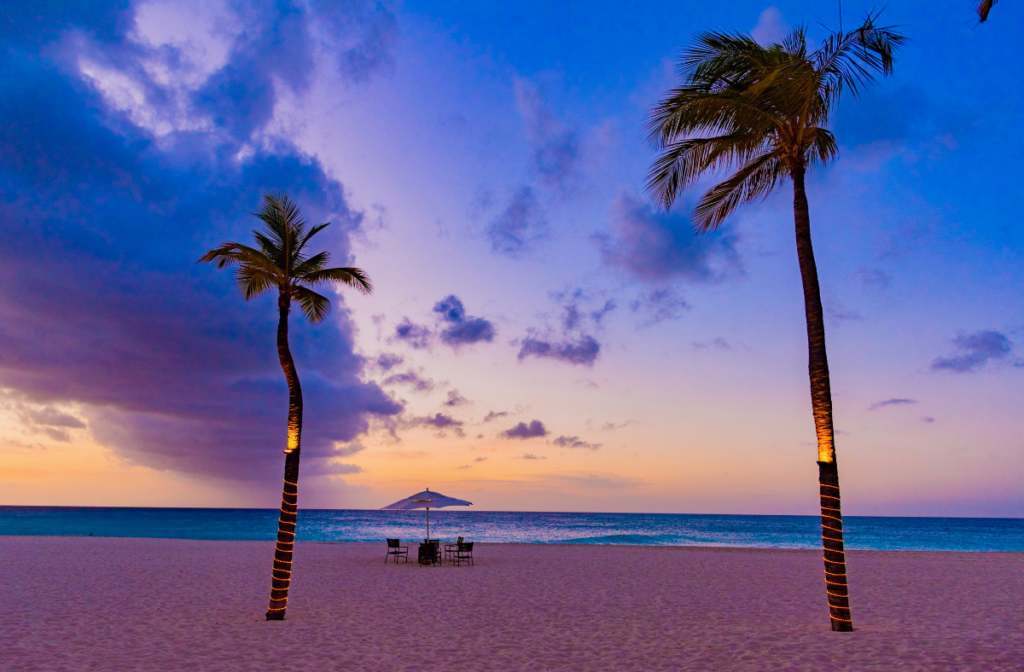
<point x="353" y="277"/>
<point x="236" y="253"/>
<point x="984" y="8"/>
<point x="682" y="163"/>
<point x="762" y="109"/>
<point x="225" y="255"/>
<point x="756" y="179"/>
<point x="280" y="261"/>
<point x="691" y="111"/>
<point x="822" y="148"/>
<point x="852" y="59"/>
<point x="254" y="281"/>
<point x="314" y="306"/>
<point x="312" y="264"/>
<point x="312" y="232"/>
<point x="284" y="229"/>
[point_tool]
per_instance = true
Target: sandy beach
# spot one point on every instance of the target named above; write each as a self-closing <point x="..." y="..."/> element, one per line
<point x="155" y="604"/>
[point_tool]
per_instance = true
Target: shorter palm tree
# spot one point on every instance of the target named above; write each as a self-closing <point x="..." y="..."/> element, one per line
<point x="280" y="262"/>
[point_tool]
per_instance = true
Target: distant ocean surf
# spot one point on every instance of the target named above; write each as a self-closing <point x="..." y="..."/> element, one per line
<point x="871" y="533"/>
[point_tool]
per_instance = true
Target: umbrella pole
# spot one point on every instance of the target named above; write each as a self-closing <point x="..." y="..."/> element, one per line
<point x="428" y="523"/>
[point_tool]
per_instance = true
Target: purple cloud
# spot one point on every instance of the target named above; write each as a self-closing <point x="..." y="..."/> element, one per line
<point x="438" y="421"/>
<point x="519" y="227"/>
<point x="493" y="415"/>
<point x="891" y="402"/>
<point x="463" y="329"/>
<point x="526" y="431"/>
<point x="974" y="351"/>
<point x="329" y="468"/>
<point x="873" y="277"/>
<point x="415" y="336"/>
<point x="455" y="399"/>
<point x="659" y="305"/>
<point x="386" y="361"/>
<point x="571" y="344"/>
<point x="575" y="442"/>
<point x="661" y="247"/>
<point x="837" y="311"/>
<point x="555" y="149"/>
<point x="102" y="303"/>
<point x="411" y="378"/>
<point x="583" y="351"/>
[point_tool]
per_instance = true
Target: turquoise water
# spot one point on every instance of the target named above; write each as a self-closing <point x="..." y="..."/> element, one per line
<point x="922" y="534"/>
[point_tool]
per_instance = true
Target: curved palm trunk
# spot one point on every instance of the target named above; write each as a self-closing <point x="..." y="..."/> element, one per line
<point x="282" y="572"/>
<point x="821" y="403"/>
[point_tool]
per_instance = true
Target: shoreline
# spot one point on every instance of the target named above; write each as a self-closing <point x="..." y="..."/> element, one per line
<point x="156" y="604"/>
<point x="553" y="544"/>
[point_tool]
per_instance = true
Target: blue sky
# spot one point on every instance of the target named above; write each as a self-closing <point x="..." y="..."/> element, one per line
<point x="485" y="164"/>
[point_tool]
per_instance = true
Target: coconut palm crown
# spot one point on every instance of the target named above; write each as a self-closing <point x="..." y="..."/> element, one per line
<point x="761" y="110"/>
<point x="280" y="262"/>
<point x="760" y="114"/>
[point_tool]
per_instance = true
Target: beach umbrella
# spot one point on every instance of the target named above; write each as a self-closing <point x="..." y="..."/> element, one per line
<point x="426" y="500"/>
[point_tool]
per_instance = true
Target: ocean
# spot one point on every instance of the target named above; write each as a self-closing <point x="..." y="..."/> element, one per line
<point x="738" y="531"/>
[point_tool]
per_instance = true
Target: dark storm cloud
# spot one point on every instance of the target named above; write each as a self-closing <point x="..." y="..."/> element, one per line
<point x="101" y="301"/>
<point x="49" y="417"/>
<point x="891" y="402"/>
<point x="974" y="351"/>
<point x="660" y="247"/>
<point x="519" y="227"/>
<point x="462" y="329"/>
<point x="575" y="442"/>
<point x="526" y="431"/>
<point x="583" y="351"/>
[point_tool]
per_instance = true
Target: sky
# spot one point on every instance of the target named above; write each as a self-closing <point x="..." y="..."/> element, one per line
<point x="540" y="336"/>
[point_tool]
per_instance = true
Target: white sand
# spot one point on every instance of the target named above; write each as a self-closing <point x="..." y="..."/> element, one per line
<point x="151" y="604"/>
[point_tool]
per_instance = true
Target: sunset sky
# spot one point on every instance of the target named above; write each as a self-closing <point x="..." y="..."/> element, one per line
<point x="540" y="337"/>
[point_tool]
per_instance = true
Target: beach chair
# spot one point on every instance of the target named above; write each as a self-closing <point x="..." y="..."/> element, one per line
<point x="449" y="549"/>
<point x="396" y="550"/>
<point x="430" y="552"/>
<point x="464" y="553"/>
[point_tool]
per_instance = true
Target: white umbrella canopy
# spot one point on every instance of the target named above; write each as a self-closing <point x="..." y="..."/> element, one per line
<point x="426" y="500"/>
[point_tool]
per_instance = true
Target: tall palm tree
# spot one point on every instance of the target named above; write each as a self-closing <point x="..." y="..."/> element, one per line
<point x="280" y="262"/>
<point x="762" y="113"/>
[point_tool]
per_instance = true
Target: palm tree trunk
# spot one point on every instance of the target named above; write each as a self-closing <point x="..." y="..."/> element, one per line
<point x="821" y="403"/>
<point x="282" y="572"/>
